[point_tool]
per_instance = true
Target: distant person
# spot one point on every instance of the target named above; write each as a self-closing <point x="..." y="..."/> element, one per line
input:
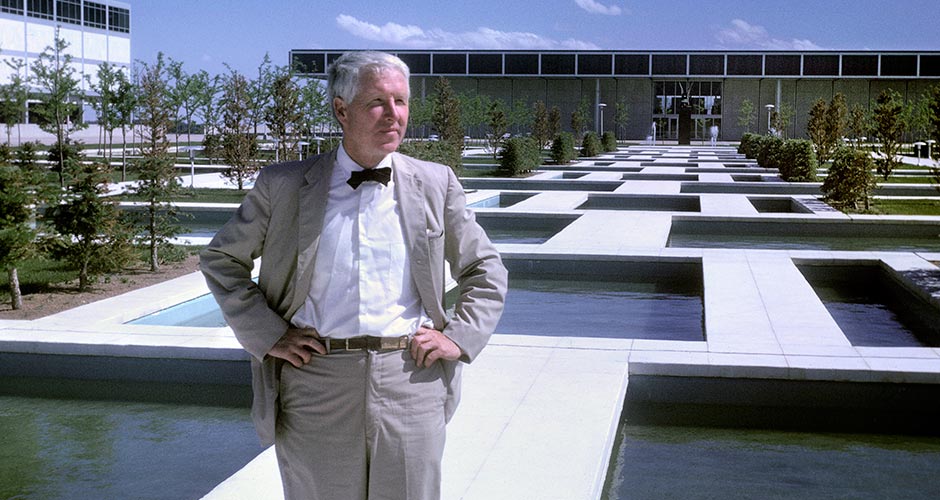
<point x="713" y="135"/>
<point x="356" y="366"/>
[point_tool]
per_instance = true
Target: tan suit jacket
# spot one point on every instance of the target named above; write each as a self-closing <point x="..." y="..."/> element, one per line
<point x="281" y="219"/>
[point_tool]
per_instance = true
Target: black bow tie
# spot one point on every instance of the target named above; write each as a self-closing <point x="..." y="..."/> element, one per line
<point x="382" y="175"/>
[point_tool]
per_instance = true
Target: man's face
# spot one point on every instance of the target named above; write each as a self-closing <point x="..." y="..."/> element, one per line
<point x="374" y="122"/>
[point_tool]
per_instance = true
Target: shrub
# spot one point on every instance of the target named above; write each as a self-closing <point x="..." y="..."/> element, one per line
<point x="435" y="151"/>
<point x="520" y="154"/>
<point x="609" y="142"/>
<point x="768" y="153"/>
<point x="563" y="148"/>
<point x="850" y="179"/>
<point x="744" y="148"/>
<point x="798" y="161"/>
<point x="591" y="145"/>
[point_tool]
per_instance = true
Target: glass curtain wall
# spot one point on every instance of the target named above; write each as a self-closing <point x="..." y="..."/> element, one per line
<point x="704" y="97"/>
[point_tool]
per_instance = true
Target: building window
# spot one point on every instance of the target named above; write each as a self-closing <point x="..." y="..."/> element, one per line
<point x="669" y="64"/>
<point x="418" y="64"/>
<point x="96" y="15"/>
<point x="43" y="9"/>
<point x="119" y="19"/>
<point x="703" y="97"/>
<point x="11" y="6"/>
<point x="69" y="11"/>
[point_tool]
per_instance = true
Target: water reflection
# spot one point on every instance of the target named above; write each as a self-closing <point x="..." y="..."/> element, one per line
<point x="66" y="449"/>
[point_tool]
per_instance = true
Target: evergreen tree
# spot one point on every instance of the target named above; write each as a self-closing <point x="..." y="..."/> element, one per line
<point x="21" y="191"/>
<point x="849" y="181"/>
<point x="446" y="121"/>
<point x="621" y="118"/>
<point x="746" y="115"/>
<point x="158" y="182"/>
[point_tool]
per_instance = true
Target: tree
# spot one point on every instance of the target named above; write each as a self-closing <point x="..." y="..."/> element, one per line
<point x="316" y="111"/>
<point x="13" y="97"/>
<point x="239" y="143"/>
<point x="88" y="223"/>
<point x="20" y="193"/>
<point x="158" y="183"/>
<point x="473" y="111"/>
<point x="54" y="76"/>
<point x="746" y="115"/>
<point x="579" y="119"/>
<point x="849" y="181"/>
<point x="888" y="128"/>
<point x="520" y="116"/>
<point x="781" y="119"/>
<point x="933" y="115"/>
<point x="541" y="127"/>
<point x="816" y="128"/>
<point x="498" y="127"/>
<point x="125" y="102"/>
<point x="107" y="87"/>
<point x="192" y="96"/>
<point x="446" y="122"/>
<point x="284" y="114"/>
<point x="621" y="118"/>
<point x="209" y="109"/>
<point x="554" y="121"/>
<point x="858" y="124"/>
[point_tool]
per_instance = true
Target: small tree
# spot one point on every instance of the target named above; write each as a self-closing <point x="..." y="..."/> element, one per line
<point x="20" y="193"/>
<point x="579" y="119"/>
<point x="541" y="127"/>
<point x="92" y="238"/>
<point x="781" y="119"/>
<point x="858" y="124"/>
<point x="107" y="87"/>
<point x="746" y="115"/>
<point x="621" y="118"/>
<point x="798" y="160"/>
<point x="849" y="181"/>
<point x="54" y="75"/>
<point x="609" y="142"/>
<point x="239" y="144"/>
<point x="816" y="128"/>
<point x="563" y="150"/>
<point x="889" y="128"/>
<point x="498" y="127"/>
<point x="14" y="97"/>
<point x="315" y="109"/>
<point x="158" y="182"/>
<point x="284" y="115"/>
<point x="446" y="121"/>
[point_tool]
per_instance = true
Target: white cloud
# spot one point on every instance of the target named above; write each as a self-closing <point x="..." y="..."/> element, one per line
<point x="743" y="35"/>
<point x="416" y="37"/>
<point x="599" y="8"/>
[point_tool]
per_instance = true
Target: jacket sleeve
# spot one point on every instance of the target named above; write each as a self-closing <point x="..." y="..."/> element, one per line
<point x="476" y="266"/>
<point x="227" y="265"/>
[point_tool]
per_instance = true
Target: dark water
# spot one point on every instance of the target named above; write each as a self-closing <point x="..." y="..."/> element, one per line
<point x="666" y="462"/>
<point x="612" y="309"/>
<point x="871" y="309"/>
<point x="803" y="242"/>
<point x="72" y="449"/>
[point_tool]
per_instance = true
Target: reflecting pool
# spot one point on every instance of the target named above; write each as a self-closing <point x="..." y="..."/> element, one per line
<point x="71" y="449"/>
<point x="661" y="461"/>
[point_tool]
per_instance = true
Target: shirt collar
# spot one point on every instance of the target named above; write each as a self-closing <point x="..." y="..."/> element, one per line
<point x="346" y="165"/>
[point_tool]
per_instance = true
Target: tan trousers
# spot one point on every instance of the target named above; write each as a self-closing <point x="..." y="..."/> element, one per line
<point x="361" y="426"/>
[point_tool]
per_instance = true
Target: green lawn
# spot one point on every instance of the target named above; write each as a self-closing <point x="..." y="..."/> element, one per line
<point x="906" y="207"/>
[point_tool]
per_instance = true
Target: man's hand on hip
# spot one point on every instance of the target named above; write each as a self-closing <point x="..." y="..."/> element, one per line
<point x="297" y="346"/>
<point x="428" y="346"/>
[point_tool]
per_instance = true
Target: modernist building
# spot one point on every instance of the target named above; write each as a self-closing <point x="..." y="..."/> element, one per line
<point x="654" y="84"/>
<point x="96" y="32"/>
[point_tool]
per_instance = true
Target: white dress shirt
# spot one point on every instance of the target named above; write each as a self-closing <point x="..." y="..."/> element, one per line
<point x="362" y="282"/>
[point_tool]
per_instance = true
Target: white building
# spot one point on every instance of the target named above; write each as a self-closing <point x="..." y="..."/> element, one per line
<point x="96" y="32"/>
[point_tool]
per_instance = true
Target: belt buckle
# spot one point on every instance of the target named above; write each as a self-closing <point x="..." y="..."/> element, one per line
<point x="347" y="348"/>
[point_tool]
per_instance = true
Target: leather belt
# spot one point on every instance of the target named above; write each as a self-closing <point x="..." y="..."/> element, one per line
<point x="366" y="343"/>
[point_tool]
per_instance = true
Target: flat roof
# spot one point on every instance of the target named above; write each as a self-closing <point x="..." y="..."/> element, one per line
<point x="648" y="64"/>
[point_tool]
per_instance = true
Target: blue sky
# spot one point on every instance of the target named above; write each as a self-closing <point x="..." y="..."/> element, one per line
<point x="204" y="34"/>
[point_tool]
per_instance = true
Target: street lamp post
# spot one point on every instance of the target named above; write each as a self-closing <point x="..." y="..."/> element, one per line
<point x="770" y="111"/>
<point x="600" y="124"/>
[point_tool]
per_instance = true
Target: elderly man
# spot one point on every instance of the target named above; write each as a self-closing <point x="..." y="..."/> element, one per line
<point x="356" y="366"/>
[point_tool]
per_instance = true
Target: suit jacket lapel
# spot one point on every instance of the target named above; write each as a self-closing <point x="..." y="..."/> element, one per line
<point x="311" y="209"/>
